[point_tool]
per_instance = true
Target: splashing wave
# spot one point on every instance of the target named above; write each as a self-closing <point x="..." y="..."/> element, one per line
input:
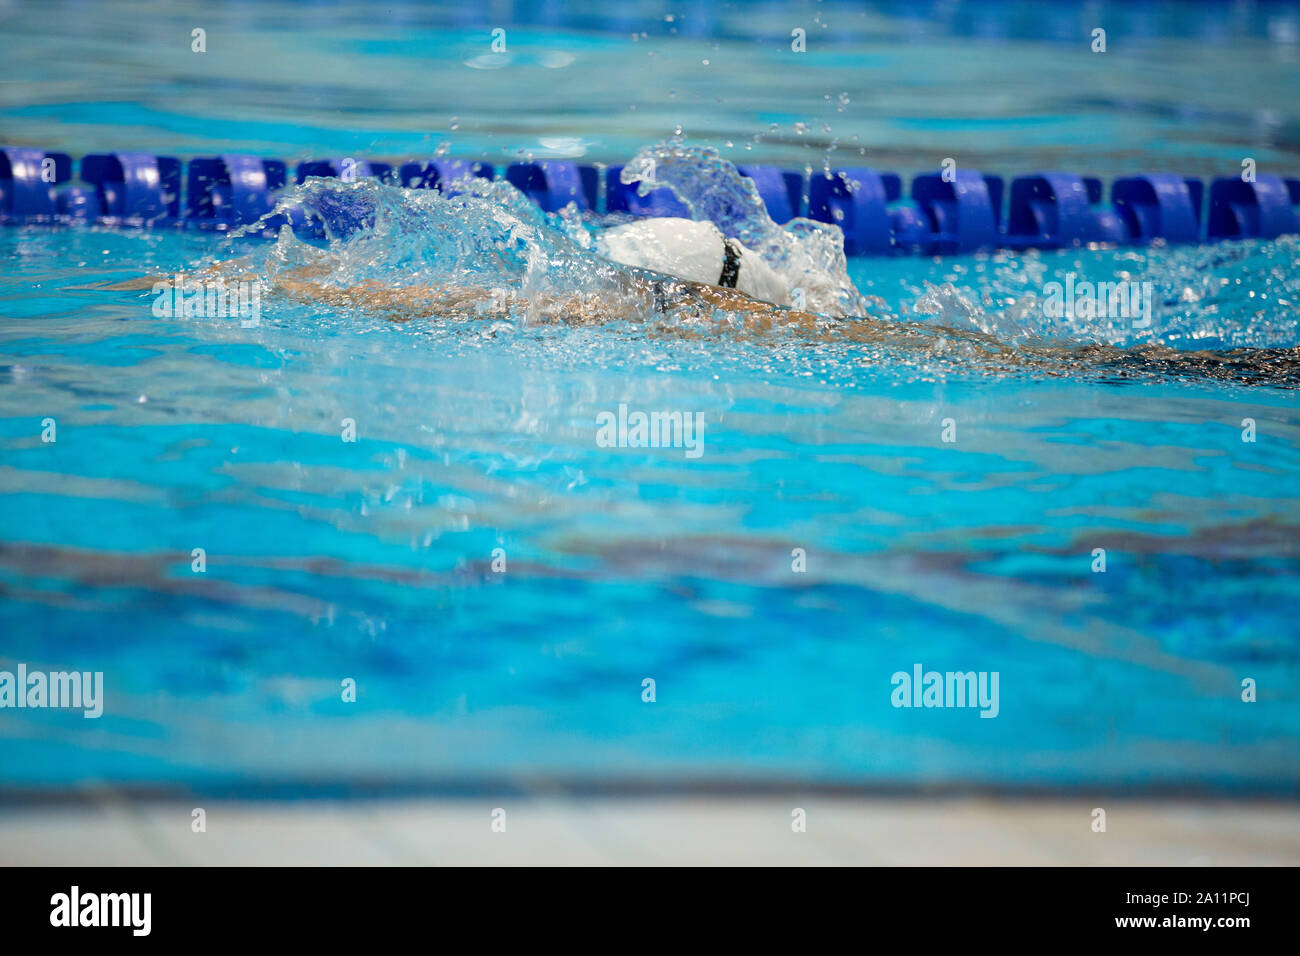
<point x="487" y="239"/>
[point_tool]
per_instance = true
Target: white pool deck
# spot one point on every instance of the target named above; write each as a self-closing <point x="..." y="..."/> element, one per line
<point x="602" y="831"/>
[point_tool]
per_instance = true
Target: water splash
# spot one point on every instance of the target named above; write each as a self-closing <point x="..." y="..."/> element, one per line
<point x="482" y="237"/>
<point x="476" y="233"/>
<point x="808" y="255"/>
<point x="484" y="240"/>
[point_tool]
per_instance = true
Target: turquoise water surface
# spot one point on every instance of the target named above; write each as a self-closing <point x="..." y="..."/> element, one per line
<point x="373" y="559"/>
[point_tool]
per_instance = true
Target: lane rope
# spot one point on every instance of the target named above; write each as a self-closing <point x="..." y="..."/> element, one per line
<point x="952" y="212"/>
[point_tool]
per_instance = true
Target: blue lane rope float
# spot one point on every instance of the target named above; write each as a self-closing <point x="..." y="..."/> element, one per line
<point x="943" y="214"/>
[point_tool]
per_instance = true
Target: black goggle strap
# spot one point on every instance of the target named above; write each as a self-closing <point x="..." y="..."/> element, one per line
<point x="730" y="264"/>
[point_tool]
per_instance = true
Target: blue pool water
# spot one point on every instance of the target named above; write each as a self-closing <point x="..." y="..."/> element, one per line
<point x="372" y="559"/>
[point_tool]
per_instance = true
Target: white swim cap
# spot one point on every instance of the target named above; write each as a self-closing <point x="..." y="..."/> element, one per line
<point x="695" y="251"/>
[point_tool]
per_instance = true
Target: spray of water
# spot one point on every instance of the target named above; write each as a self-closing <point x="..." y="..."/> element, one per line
<point x="478" y="238"/>
<point x="808" y="255"/>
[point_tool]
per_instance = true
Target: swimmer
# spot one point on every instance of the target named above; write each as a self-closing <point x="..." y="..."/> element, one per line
<point x="682" y="266"/>
<point x="629" y="296"/>
<point x="669" y="276"/>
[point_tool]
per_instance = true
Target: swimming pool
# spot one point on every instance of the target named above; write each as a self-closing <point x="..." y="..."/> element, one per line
<point x="476" y="442"/>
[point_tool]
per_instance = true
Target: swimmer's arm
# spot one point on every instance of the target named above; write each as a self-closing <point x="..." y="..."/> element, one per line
<point x="226" y="271"/>
<point x="418" y="301"/>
